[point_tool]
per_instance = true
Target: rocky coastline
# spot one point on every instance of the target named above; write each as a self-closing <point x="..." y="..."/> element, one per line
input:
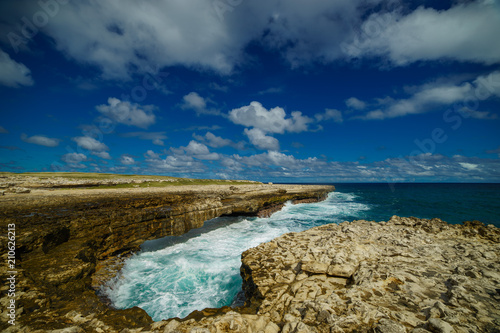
<point x="403" y="275"/>
<point x="70" y="240"/>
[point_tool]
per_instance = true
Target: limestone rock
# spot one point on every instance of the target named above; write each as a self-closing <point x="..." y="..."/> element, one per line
<point x="389" y="326"/>
<point x="71" y="241"/>
<point x="406" y="274"/>
<point x="439" y="326"/>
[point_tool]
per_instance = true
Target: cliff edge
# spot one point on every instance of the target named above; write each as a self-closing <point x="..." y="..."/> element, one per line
<point x="67" y="241"/>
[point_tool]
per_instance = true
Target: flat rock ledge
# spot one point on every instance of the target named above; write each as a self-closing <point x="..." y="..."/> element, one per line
<point x="404" y="275"/>
<point x="69" y="242"/>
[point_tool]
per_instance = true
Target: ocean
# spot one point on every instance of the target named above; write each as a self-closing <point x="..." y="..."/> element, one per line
<point x="173" y="276"/>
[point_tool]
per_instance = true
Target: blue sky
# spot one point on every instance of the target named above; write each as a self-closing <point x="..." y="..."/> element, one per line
<point x="291" y="91"/>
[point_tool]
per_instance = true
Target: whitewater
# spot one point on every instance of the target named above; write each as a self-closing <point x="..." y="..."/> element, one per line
<point x="174" y="276"/>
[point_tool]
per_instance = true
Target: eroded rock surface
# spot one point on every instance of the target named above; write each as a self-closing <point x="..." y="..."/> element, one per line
<point x="397" y="276"/>
<point x="68" y="241"/>
<point x="404" y="275"/>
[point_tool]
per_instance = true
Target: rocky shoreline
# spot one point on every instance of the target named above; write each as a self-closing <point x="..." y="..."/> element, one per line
<point x="68" y="241"/>
<point x="403" y="275"/>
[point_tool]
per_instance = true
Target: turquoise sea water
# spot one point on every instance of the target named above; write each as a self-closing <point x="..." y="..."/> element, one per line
<point x="173" y="276"/>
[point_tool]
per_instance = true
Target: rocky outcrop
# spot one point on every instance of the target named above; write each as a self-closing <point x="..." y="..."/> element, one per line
<point x="70" y="240"/>
<point x="404" y="275"/>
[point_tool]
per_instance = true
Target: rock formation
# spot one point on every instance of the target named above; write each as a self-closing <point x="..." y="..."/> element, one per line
<point x="404" y="275"/>
<point x="72" y="239"/>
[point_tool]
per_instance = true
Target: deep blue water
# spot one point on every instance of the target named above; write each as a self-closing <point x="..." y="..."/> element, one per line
<point x="173" y="276"/>
<point x="453" y="203"/>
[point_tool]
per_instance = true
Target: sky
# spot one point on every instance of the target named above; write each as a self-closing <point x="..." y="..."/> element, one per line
<point x="268" y="90"/>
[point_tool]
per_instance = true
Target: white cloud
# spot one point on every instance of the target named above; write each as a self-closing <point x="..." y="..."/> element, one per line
<point x="274" y="165"/>
<point x="179" y="163"/>
<point x="127" y="113"/>
<point x="89" y="143"/>
<point x="120" y="37"/>
<point x="156" y="137"/>
<point x="332" y="114"/>
<point x="270" y="121"/>
<point x="95" y="147"/>
<point x="151" y="155"/>
<point x="437" y="94"/>
<point x="40" y="140"/>
<point x="196" y="150"/>
<point x="260" y="140"/>
<point x="355" y="103"/>
<point x="123" y="37"/>
<point x="469" y="166"/>
<point x="126" y="160"/>
<point x="102" y="154"/>
<point x="281" y="160"/>
<point x="465" y="32"/>
<point x="193" y="101"/>
<point x="13" y="74"/>
<point x="215" y="141"/>
<point x="74" y="160"/>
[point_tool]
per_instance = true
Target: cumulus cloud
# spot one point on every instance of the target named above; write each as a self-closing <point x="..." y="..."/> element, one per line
<point x="156" y="137"/>
<point x="196" y="150"/>
<point x="130" y="114"/>
<point x="74" y="160"/>
<point x="260" y="140"/>
<point x="355" y="103"/>
<point x="89" y="143"/>
<point x="215" y="141"/>
<point x="425" y="166"/>
<point x="95" y="147"/>
<point x="40" y="140"/>
<point x="13" y="74"/>
<point x="193" y="101"/>
<point x="127" y="160"/>
<point x="177" y="163"/>
<point x="270" y="121"/>
<point x="465" y="32"/>
<point x="427" y="97"/>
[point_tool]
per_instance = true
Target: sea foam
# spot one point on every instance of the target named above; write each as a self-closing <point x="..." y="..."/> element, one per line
<point x="174" y="276"/>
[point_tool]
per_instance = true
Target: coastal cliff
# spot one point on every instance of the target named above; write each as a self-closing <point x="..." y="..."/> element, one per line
<point x="68" y="242"/>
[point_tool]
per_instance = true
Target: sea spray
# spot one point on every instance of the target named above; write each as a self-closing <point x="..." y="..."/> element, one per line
<point x="174" y="276"/>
